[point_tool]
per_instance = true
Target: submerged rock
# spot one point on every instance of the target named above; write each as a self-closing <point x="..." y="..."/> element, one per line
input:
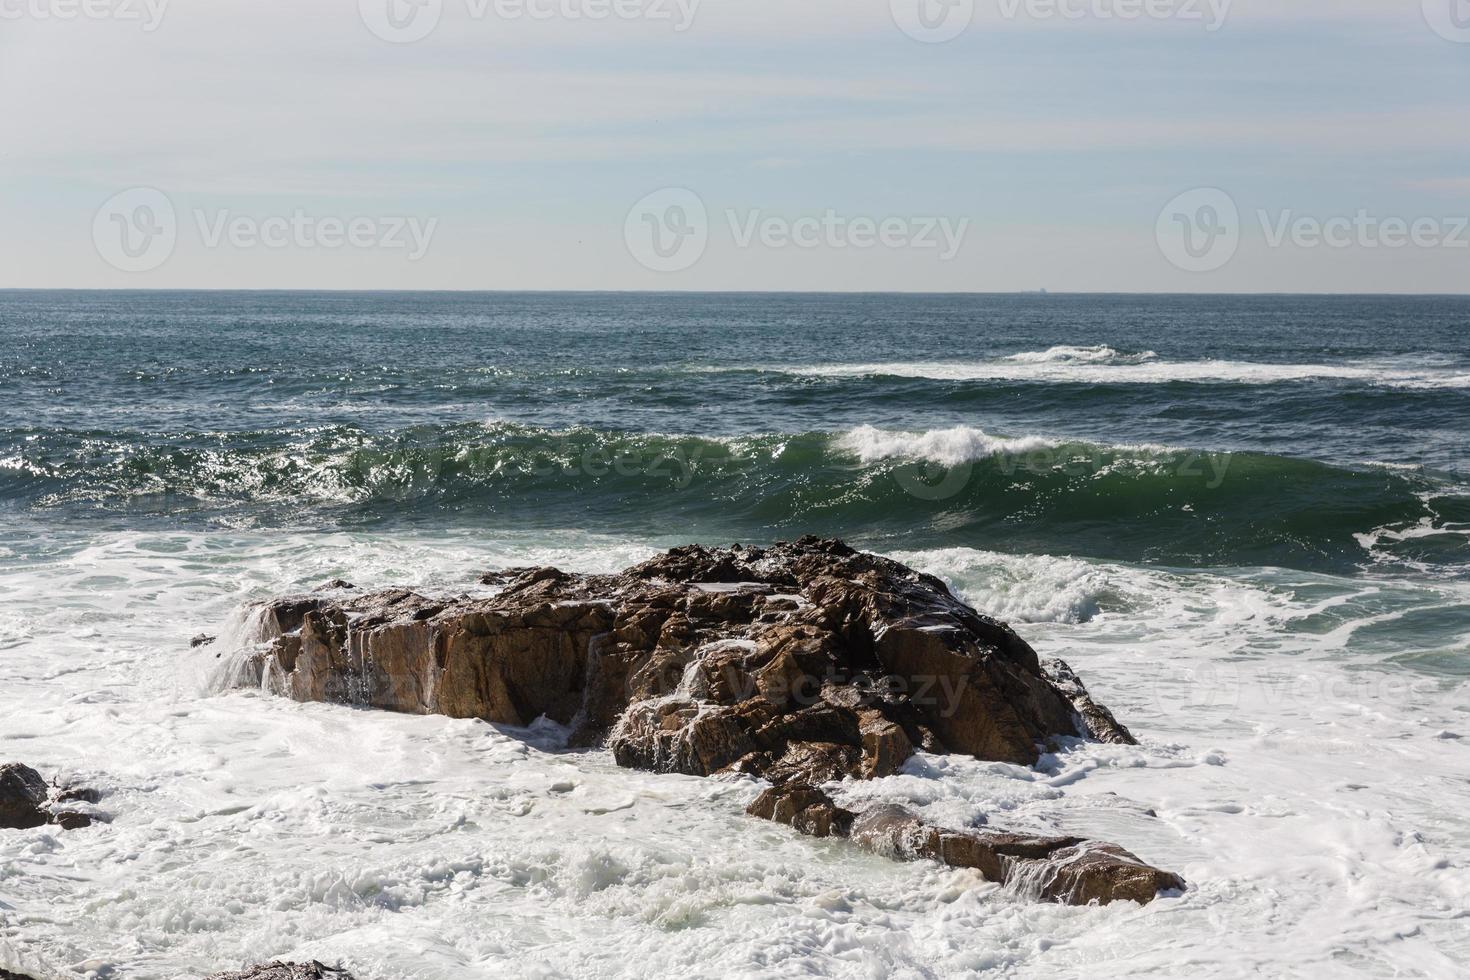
<point x="26" y="801"/>
<point x="802" y="663"/>
<point x="286" y="971"/>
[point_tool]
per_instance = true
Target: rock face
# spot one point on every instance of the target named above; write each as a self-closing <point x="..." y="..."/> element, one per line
<point x="26" y="801"/>
<point x="801" y="663"/>
<point x="286" y="971"/>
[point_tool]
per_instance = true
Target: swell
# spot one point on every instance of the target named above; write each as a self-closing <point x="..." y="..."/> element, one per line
<point x="947" y="487"/>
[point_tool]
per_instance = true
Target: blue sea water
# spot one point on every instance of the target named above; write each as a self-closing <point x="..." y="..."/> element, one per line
<point x="1304" y="432"/>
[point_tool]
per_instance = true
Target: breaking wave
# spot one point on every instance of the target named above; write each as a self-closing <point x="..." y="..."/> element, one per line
<point x="955" y="486"/>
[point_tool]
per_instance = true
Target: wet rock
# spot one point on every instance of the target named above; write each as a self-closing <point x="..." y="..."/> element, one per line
<point x="9" y="975"/>
<point x="22" y="797"/>
<point x="286" y="971"/>
<point x="202" y="640"/>
<point x="1068" y="870"/>
<point x="26" y="801"/>
<point x="802" y="661"/>
<point x="806" y="808"/>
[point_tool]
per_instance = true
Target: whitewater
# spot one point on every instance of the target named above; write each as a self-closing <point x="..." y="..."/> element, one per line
<point x="1312" y="797"/>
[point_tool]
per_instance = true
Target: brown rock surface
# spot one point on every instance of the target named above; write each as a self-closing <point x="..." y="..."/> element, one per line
<point x="1069" y="870"/>
<point x="796" y="660"/>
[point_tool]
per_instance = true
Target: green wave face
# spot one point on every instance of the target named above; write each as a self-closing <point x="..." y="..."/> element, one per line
<point x="1133" y="504"/>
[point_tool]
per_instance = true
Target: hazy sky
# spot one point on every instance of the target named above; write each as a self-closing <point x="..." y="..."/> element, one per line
<point x="990" y="145"/>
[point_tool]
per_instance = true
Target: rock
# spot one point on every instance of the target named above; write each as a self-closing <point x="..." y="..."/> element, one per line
<point x="25" y="801"/>
<point x="202" y="640"/>
<point x="22" y="797"/>
<point x="1099" y="720"/>
<point x="807" y="809"/>
<point x="8" y="975"/>
<point x="802" y="663"/>
<point x="286" y="971"/>
<point x="1069" y="870"/>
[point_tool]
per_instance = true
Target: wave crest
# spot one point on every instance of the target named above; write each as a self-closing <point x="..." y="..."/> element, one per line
<point x="1099" y="354"/>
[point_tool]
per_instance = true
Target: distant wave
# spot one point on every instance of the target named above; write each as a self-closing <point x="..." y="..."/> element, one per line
<point x="1104" y="365"/>
<point x="1100" y="354"/>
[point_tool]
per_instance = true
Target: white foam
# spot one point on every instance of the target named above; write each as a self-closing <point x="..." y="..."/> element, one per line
<point x="1305" y="786"/>
<point x="958" y="445"/>
<point x="950" y="447"/>
<point x="1100" y="354"/>
<point x="1105" y="366"/>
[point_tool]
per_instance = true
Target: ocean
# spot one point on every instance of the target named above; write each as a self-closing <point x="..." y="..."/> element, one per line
<point x="1245" y="521"/>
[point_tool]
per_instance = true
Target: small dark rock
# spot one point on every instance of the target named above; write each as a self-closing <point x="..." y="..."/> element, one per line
<point x="202" y="640"/>
<point x="70" y="819"/>
<point x="78" y="794"/>
<point x="335" y="585"/>
<point x="22" y="797"/>
<point x="25" y="801"/>
<point x="286" y="971"/>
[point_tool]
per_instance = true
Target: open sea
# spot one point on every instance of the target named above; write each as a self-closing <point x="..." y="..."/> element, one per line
<point x="1245" y="521"/>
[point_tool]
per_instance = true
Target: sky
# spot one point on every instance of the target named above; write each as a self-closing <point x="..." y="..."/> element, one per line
<point x="905" y="145"/>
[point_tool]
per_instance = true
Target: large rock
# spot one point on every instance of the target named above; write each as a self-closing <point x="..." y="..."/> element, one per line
<point x="801" y="663"/>
<point x="793" y="661"/>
